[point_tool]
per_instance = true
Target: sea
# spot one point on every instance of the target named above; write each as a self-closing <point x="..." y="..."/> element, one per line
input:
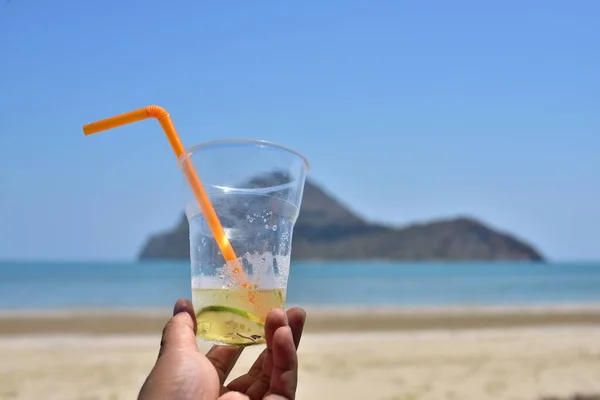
<point x="125" y="285"/>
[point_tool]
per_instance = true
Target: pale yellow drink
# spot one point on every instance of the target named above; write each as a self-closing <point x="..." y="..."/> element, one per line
<point x="226" y="316"/>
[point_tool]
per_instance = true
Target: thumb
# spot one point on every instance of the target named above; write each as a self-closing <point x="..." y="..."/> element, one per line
<point x="180" y="332"/>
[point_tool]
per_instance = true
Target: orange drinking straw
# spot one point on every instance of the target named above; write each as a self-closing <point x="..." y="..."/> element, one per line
<point x="205" y="205"/>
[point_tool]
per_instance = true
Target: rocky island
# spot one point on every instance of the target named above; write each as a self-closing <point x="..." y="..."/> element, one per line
<point x="326" y="230"/>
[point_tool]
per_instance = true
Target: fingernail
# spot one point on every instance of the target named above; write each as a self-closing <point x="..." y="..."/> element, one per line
<point x="179" y="307"/>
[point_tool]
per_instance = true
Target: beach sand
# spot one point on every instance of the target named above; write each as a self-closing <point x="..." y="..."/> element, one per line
<point x="361" y="354"/>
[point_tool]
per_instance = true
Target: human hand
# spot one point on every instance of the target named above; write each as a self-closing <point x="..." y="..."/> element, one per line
<point x="181" y="372"/>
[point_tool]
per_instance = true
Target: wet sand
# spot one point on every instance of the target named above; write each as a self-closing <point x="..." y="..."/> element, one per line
<point x="320" y="320"/>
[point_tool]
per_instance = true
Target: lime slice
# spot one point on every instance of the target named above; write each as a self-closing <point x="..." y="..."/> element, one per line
<point x="230" y="325"/>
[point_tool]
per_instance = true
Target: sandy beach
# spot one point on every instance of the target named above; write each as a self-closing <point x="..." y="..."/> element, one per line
<point x="400" y="354"/>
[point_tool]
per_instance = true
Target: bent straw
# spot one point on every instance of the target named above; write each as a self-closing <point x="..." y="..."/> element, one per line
<point x="208" y="210"/>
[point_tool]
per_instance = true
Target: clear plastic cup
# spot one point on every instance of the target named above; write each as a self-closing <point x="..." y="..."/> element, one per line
<point x="256" y="190"/>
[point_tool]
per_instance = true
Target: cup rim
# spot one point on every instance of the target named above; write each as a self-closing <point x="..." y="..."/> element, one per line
<point x="253" y="142"/>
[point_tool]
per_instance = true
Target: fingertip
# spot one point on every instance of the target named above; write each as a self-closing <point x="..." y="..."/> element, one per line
<point x="182" y="305"/>
<point x="277" y="315"/>
<point x="185" y="306"/>
<point x="185" y="318"/>
<point x="284" y="351"/>
<point x="297" y="312"/>
<point x="297" y="319"/>
<point x="180" y="330"/>
<point x="276" y="318"/>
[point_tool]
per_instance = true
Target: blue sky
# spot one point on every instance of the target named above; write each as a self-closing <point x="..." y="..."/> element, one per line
<point x="408" y="111"/>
